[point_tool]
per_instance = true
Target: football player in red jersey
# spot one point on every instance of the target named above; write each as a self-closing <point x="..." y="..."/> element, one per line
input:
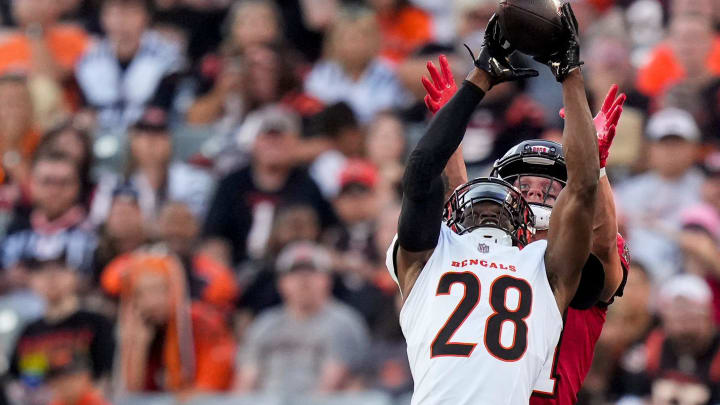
<point x="537" y="168"/>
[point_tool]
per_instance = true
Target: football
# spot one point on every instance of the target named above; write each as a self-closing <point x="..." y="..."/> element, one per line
<point x="533" y="27"/>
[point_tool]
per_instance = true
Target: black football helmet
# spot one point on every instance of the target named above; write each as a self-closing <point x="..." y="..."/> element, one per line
<point x="494" y="206"/>
<point x="536" y="158"/>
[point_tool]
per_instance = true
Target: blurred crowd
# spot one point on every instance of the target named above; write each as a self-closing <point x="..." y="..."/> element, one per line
<point x="198" y="195"/>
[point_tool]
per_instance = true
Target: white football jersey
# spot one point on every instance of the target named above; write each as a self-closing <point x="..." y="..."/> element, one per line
<point x="480" y="322"/>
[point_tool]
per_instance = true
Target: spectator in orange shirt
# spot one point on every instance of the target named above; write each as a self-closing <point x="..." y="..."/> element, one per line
<point x="167" y="342"/>
<point x="691" y="52"/>
<point x="41" y="45"/>
<point x="404" y="28"/>
<point x="209" y="279"/>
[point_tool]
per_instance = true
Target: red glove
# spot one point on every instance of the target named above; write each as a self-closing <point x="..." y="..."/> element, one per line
<point x="605" y="122"/>
<point x="442" y="87"/>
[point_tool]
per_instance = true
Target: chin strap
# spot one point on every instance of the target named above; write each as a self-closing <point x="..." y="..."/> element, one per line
<point x="542" y="216"/>
<point x="492" y="235"/>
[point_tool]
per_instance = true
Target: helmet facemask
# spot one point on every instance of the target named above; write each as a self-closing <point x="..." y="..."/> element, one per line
<point x="540" y="163"/>
<point x="491" y="206"/>
<point x="530" y="184"/>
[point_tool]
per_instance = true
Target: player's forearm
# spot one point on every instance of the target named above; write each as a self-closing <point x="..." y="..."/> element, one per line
<point x="423" y="191"/>
<point x="605" y="222"/>
<point x="580" y="140"/>
<point x="605" y="239"/>
<point x="446" y="132"/>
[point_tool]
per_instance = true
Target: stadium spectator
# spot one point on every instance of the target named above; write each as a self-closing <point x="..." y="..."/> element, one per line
<point x="123" y="231"/>
<point x="127" y="69"/>
<point x="209" y="280"/>
<point x="234" y="86"/>
<point x="345" y="139"/>
<point x="352" y="239"/>
<point x="41" y="45"/>
<point x="356" y="207"/>
<point x="678" y="365"/>
<point x="385" y="148"/>
<point x="701" y="231"/>
<point x="351" y="70"/>
<point x="241" y="213"/>
<point x="153" y="174"/>
<point x="68" y="347"/>
<point x="292" y="223"/>
<point x="698" y="241"/>
<point x="404" y="28"/>
<point x="251" y="23"/>
<point x="305" y="23"/>
<point x="471" y="19"/>
<point x="311" y="344"/>
<point x="629" y="321"/>
<point x="673" y="184"/>
<point x="608" y="63"/>
<point x="72" y="140"/>
<point x="167" y="342"/>
<point x="57" y="219"/>
<point x="390" y="370"/>
<point x="692" y="52"/>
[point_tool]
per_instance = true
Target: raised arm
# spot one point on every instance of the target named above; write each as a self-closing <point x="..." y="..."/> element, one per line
<point x="571" y="223"/>
<point x="440" y="89"/>
<point x="423" y="189"/>
<point x="604" y="242"/>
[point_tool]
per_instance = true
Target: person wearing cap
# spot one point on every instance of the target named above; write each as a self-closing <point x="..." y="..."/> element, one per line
<point x="241" y="213"/>
<point x="69" y="348"/>
<point x="651" y="202"/>
<point x="292" y="223"/>
<point x="353" y="239"/>
<point x="678" y="363"/>
<point x="310" y="343"/>
<point x="153" y="173"/>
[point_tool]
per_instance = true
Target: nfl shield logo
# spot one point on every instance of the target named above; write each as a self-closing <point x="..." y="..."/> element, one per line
<point x="483" y="248"/>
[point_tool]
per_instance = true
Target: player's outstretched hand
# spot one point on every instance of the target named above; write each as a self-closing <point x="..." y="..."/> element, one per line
<point x="606" y="121"/>
<point x="442" y="87"/>
<point x="495" y="54"/>
<point x="567" y="58"/>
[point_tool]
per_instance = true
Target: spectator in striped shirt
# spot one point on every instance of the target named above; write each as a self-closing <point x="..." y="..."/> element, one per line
<point x="57" y="220"/>
<point x="352" y="71"/>
<point x="129" y="68"/>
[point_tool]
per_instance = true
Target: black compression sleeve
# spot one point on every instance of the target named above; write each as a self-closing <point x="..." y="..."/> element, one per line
<point x="423" y="191"/>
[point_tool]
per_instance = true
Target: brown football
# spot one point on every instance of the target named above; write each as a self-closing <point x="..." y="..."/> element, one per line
<point x="533" y="27"/>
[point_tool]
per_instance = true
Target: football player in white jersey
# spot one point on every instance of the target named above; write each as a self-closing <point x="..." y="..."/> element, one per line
<point x="482" y="306"/>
